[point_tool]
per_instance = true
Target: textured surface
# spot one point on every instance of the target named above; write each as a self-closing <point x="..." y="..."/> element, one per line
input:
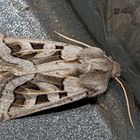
<point x="97" y="122"/>
<point x="71" y="124"/>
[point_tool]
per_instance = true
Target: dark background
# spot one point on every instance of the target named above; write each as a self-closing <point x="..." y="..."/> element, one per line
<point x="112" y="25"/>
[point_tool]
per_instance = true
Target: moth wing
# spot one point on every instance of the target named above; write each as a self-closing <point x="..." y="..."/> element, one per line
<point x="46" y="97"/>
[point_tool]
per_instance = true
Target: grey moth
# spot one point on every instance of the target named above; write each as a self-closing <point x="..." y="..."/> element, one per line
<point x="37" y="75"/>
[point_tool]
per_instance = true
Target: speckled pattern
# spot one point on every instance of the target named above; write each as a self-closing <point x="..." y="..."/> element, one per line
<point x="83" y="122"/>
<point x="17" y="20"/>
<point x="73" y="124"/>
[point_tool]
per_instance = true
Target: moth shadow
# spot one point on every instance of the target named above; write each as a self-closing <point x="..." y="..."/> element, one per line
<point x="65" y="107"/>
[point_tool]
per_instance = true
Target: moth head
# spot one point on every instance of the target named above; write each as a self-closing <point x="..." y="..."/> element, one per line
<point x="96" y="73"/>
<point x="116" y="70"/>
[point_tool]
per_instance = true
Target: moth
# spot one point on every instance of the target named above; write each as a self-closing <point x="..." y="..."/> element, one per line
<point x="37" y="75"/>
